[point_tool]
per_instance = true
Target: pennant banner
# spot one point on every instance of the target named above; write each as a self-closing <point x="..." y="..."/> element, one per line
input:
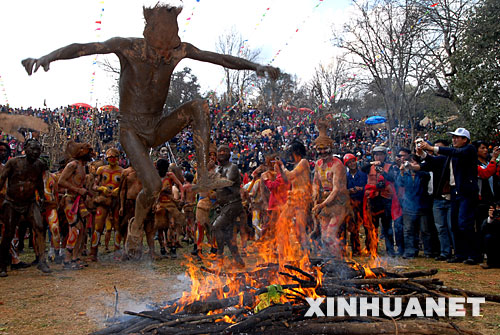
<point x="3" y="90"/>
<point x="188" y="20"/>
<point x="296" y="31"/>
<point x="98" y="28"/>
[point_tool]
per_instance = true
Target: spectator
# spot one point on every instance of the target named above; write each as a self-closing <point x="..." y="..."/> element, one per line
<point x="464" y="194"/>
<point x="490" y="231"/>
<point x="416" y="204"/>
<point x="439" y="168"/>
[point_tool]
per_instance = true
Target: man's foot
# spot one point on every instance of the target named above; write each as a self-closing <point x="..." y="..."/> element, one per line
<point x="42" y="266"/>
<point x="20" y="265"/>
<point x="470" y="261"/>
<point x="72" y="265"/>
<point x="455" y="260"/>
<point x="163" y="252"/>
<point x="36" y="261"/>
<point x="58" y="259"/>
<point x="485" y="266"/>
<point x="92" y="258"/>
<point x="81" y="262"/>
<point x="173" y="253"/>
<point x="133" y="247"/>
<point x="3" y="273"/>
<point x="441" y="258"/>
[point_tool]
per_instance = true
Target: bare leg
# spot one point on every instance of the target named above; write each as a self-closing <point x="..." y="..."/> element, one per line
<point x="197" y="114"/>
<point x="150" y="228"/>
<point x="137" y="152"/>
<point x="38" y="228"/>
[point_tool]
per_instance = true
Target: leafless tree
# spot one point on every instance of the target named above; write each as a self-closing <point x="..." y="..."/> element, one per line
<point x="232" y="43"/>
<point x="332" y="82"/>
<point x="387" y="41"/>
<point x="446" y="21"/>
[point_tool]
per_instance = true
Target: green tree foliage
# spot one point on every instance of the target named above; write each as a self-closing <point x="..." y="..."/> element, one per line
<point x="477" y="81"/>
<point x="184" y="87"/>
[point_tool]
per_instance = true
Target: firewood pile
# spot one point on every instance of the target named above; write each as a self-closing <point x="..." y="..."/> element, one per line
<point x="238" y="314"/>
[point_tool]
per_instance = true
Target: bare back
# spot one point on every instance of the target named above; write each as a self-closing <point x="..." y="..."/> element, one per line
<point x="73" y="176"/>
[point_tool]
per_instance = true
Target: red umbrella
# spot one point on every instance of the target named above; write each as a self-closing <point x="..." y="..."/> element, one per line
<point x="81" y="105"/>
<point x="109" y="108"/>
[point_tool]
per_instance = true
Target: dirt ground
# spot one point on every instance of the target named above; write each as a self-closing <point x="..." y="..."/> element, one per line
<point x="78" y="302"/>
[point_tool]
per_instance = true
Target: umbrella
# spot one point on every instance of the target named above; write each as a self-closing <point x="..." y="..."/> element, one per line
<point x="375" y="119"/>
<point x="109" y="108"/>
<point x="81" y="105"/>
<point x="267" y="132"/>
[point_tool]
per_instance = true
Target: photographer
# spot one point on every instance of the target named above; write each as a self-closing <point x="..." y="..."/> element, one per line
<point x="416" y="205"/>
<point x="490" y="232"/>
<point x="380" y="194"/>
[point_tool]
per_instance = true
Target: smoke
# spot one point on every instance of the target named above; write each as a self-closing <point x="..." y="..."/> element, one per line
<point x="152" y="294"/>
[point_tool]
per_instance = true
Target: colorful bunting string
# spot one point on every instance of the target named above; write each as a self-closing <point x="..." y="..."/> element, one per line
<point x="2" y="86"/>
<point x="262" y="17"/>
<point x="188" y="20"/>
<point x="296" y="31"/>
<point x="98" y="23"/>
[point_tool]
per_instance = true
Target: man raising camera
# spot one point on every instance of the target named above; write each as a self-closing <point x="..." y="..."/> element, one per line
<point x="379" y="195"/>
<point x="490" y="232"/>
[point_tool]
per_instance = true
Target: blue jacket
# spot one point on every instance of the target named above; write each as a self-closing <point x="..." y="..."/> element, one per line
<point x="464" y="163"/>
<point x="359" y="179"/>
<point x="416" y="199"/>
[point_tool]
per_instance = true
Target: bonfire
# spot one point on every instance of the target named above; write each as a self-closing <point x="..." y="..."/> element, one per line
<point x="271" y="294"/>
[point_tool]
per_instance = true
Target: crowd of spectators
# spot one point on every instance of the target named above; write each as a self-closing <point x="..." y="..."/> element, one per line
<point x="449" y="195"/>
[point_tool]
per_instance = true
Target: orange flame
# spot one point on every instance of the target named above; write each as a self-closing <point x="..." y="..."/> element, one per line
<point x="227" y="319"/>
<point x="283" y="242"/>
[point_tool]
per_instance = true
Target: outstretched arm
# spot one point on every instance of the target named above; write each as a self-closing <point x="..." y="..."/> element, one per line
<point x="75" y="50"/>
<point x="229" y="62"/>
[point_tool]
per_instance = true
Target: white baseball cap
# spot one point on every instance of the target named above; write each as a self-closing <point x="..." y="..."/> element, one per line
<point x="460" y="132"/>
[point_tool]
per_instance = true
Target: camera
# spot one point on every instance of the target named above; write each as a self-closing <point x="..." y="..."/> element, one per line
<point x="379" y="168"/>
<point x="407" y="165"/>
<point x="380" y="184"/>
<point x="419" y="141"/>
<point x="496" y="214"/>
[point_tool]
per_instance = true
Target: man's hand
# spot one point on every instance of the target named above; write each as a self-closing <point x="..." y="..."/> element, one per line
<point x="82" y="191"/>
<point x="425" y="146"/>
<point x="120" y="212"/>
<point x="273" y="72"/>
<point x="104" y="190"/>
<point x="318" y="207"/>
<point x="495" y="154"/>
<point x="28" y="64"/>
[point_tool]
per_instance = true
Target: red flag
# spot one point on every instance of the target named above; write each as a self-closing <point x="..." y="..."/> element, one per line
<point x="98" y="22"/>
